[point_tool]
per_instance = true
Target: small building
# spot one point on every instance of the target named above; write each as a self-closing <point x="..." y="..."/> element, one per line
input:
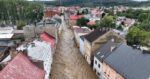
<point x="49" y="26"/>
<point x="38" y="50"/>
<point x="125" y="23"/>
<point x="6" y="33"/>
<point x="79" y="31"/>
<point x="100" y="54"/>
<point x="48" y="13"/>
<point x="73" y="19"/>
<point x="96" y="39"/>
<point x="21" y="68"/>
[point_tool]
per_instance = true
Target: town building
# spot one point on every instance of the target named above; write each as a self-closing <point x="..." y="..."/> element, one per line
<point x="79" y="31"/>
<point x="97" y="38"/>
<point x="6" y="33"/>
<point x="39" y="51"/>
<point x="50" y="26"/>
<point x="100" y="54"/>
<point x="21" y="68"/>
<point x="124" y="62"/>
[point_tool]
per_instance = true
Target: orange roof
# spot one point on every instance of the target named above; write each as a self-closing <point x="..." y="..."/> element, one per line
<point x="75" y="17"/>
<point x="91" y="23"/>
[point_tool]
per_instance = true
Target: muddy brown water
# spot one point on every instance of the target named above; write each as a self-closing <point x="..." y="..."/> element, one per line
<point x="68" y="63"/>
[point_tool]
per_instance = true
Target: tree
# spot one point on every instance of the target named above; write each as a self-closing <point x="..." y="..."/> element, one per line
<point x="82" y="22"/>
<point x="19" y="10"/>
<point x="85" y="11"/>
<point x="135" y="36"/>
<point x="142" y="17"/>
<point x="120" y="28"/>
<point x="145" y="25"/>
<point x="107" y="21"/>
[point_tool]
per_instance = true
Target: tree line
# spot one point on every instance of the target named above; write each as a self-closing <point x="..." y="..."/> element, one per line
<point x="20" y="11"/>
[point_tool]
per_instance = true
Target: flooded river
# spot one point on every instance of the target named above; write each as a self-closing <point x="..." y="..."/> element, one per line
<point x="68" y="63"/>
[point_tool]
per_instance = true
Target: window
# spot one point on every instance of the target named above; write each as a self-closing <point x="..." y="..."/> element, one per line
<point x="95" y="62"/>
<point x="99" y="65"/>
<point x="98" y="74"/>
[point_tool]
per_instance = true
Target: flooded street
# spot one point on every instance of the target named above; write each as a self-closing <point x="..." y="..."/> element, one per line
<point x="68" y="63"/>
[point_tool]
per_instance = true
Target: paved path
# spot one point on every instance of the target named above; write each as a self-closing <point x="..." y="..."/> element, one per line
<point x="68" y="63"/>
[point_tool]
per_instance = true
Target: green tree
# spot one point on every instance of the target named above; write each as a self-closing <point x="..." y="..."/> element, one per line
<point x="107" y="21"/>
<point x="19" y="10"/>
<point x="135" y="36"/>
<point x="145" y="25"/>
<point x="82" y="22"/>
<point x="142" y="17"/>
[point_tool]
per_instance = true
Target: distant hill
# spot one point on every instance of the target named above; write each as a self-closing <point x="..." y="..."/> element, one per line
<point x="97" y="2"/>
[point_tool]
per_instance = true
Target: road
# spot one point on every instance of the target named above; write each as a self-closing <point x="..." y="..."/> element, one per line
<point x="68" y="63"/>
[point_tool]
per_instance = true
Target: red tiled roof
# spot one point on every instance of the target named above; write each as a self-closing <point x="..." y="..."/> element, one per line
<point x="48" y="38"/>
<point x="91" y="23"/>
<point x="75" y="17"/>
<point x="21" y="68"/>
<point x="50" y="13"/>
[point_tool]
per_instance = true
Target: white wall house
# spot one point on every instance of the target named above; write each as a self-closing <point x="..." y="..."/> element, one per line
<point x="97" y="67"/>
<point x="39" y="50"/>
<point x="6" y="32"/>
<point x="82" y="45"/>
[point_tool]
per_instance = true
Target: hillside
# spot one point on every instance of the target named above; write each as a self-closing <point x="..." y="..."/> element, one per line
<point x="98" y="3"/>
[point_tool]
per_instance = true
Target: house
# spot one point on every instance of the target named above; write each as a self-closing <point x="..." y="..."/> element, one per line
<point x="79" y="31"/>
<point x="6" y="33"/>
<point x="73" y="19"/>
<point x="21" y="68"/>
<point x="38" y="50"/>
<point x="100" y="54"/>
<point x="126" y="23"/>
<point x="49" y="26"/>
<point x="82" y="45"/>
<point x="49" y="13"/>
<point x="7" y="43"/>
<point x="48" y="38"/>
<point x="97" y="38"/>
<point x="126" y="62"/>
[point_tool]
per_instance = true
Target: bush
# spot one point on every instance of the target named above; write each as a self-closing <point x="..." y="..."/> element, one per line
<point x="20" y="25"/>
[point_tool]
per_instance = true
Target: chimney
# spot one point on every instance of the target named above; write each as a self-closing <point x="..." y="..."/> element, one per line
<point x="113" y="40"/>
<point x="112" y="48"/>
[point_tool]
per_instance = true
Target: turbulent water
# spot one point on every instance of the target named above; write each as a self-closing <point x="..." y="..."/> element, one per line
<point x="68" y="63"/>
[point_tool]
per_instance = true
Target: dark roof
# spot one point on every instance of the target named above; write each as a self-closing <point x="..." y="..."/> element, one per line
<point x="6" y="43"/>
<point x="104" y="50"/>
<point x="2" y="48"/>
<point x="129" y="62"/>
<point x="96" y="33"/>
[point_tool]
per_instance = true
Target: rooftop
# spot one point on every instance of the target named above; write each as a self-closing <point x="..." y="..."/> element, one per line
<point x="96" y="33"/>
<point x="41" y="51"/>
<point x="82" y="30"/>
<point x="105" y="50"/>
<point x="48" y="38"/>
<point x="21" y="68"/>
<point x="129" y="62"/>
<point x="6" y="32"/>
